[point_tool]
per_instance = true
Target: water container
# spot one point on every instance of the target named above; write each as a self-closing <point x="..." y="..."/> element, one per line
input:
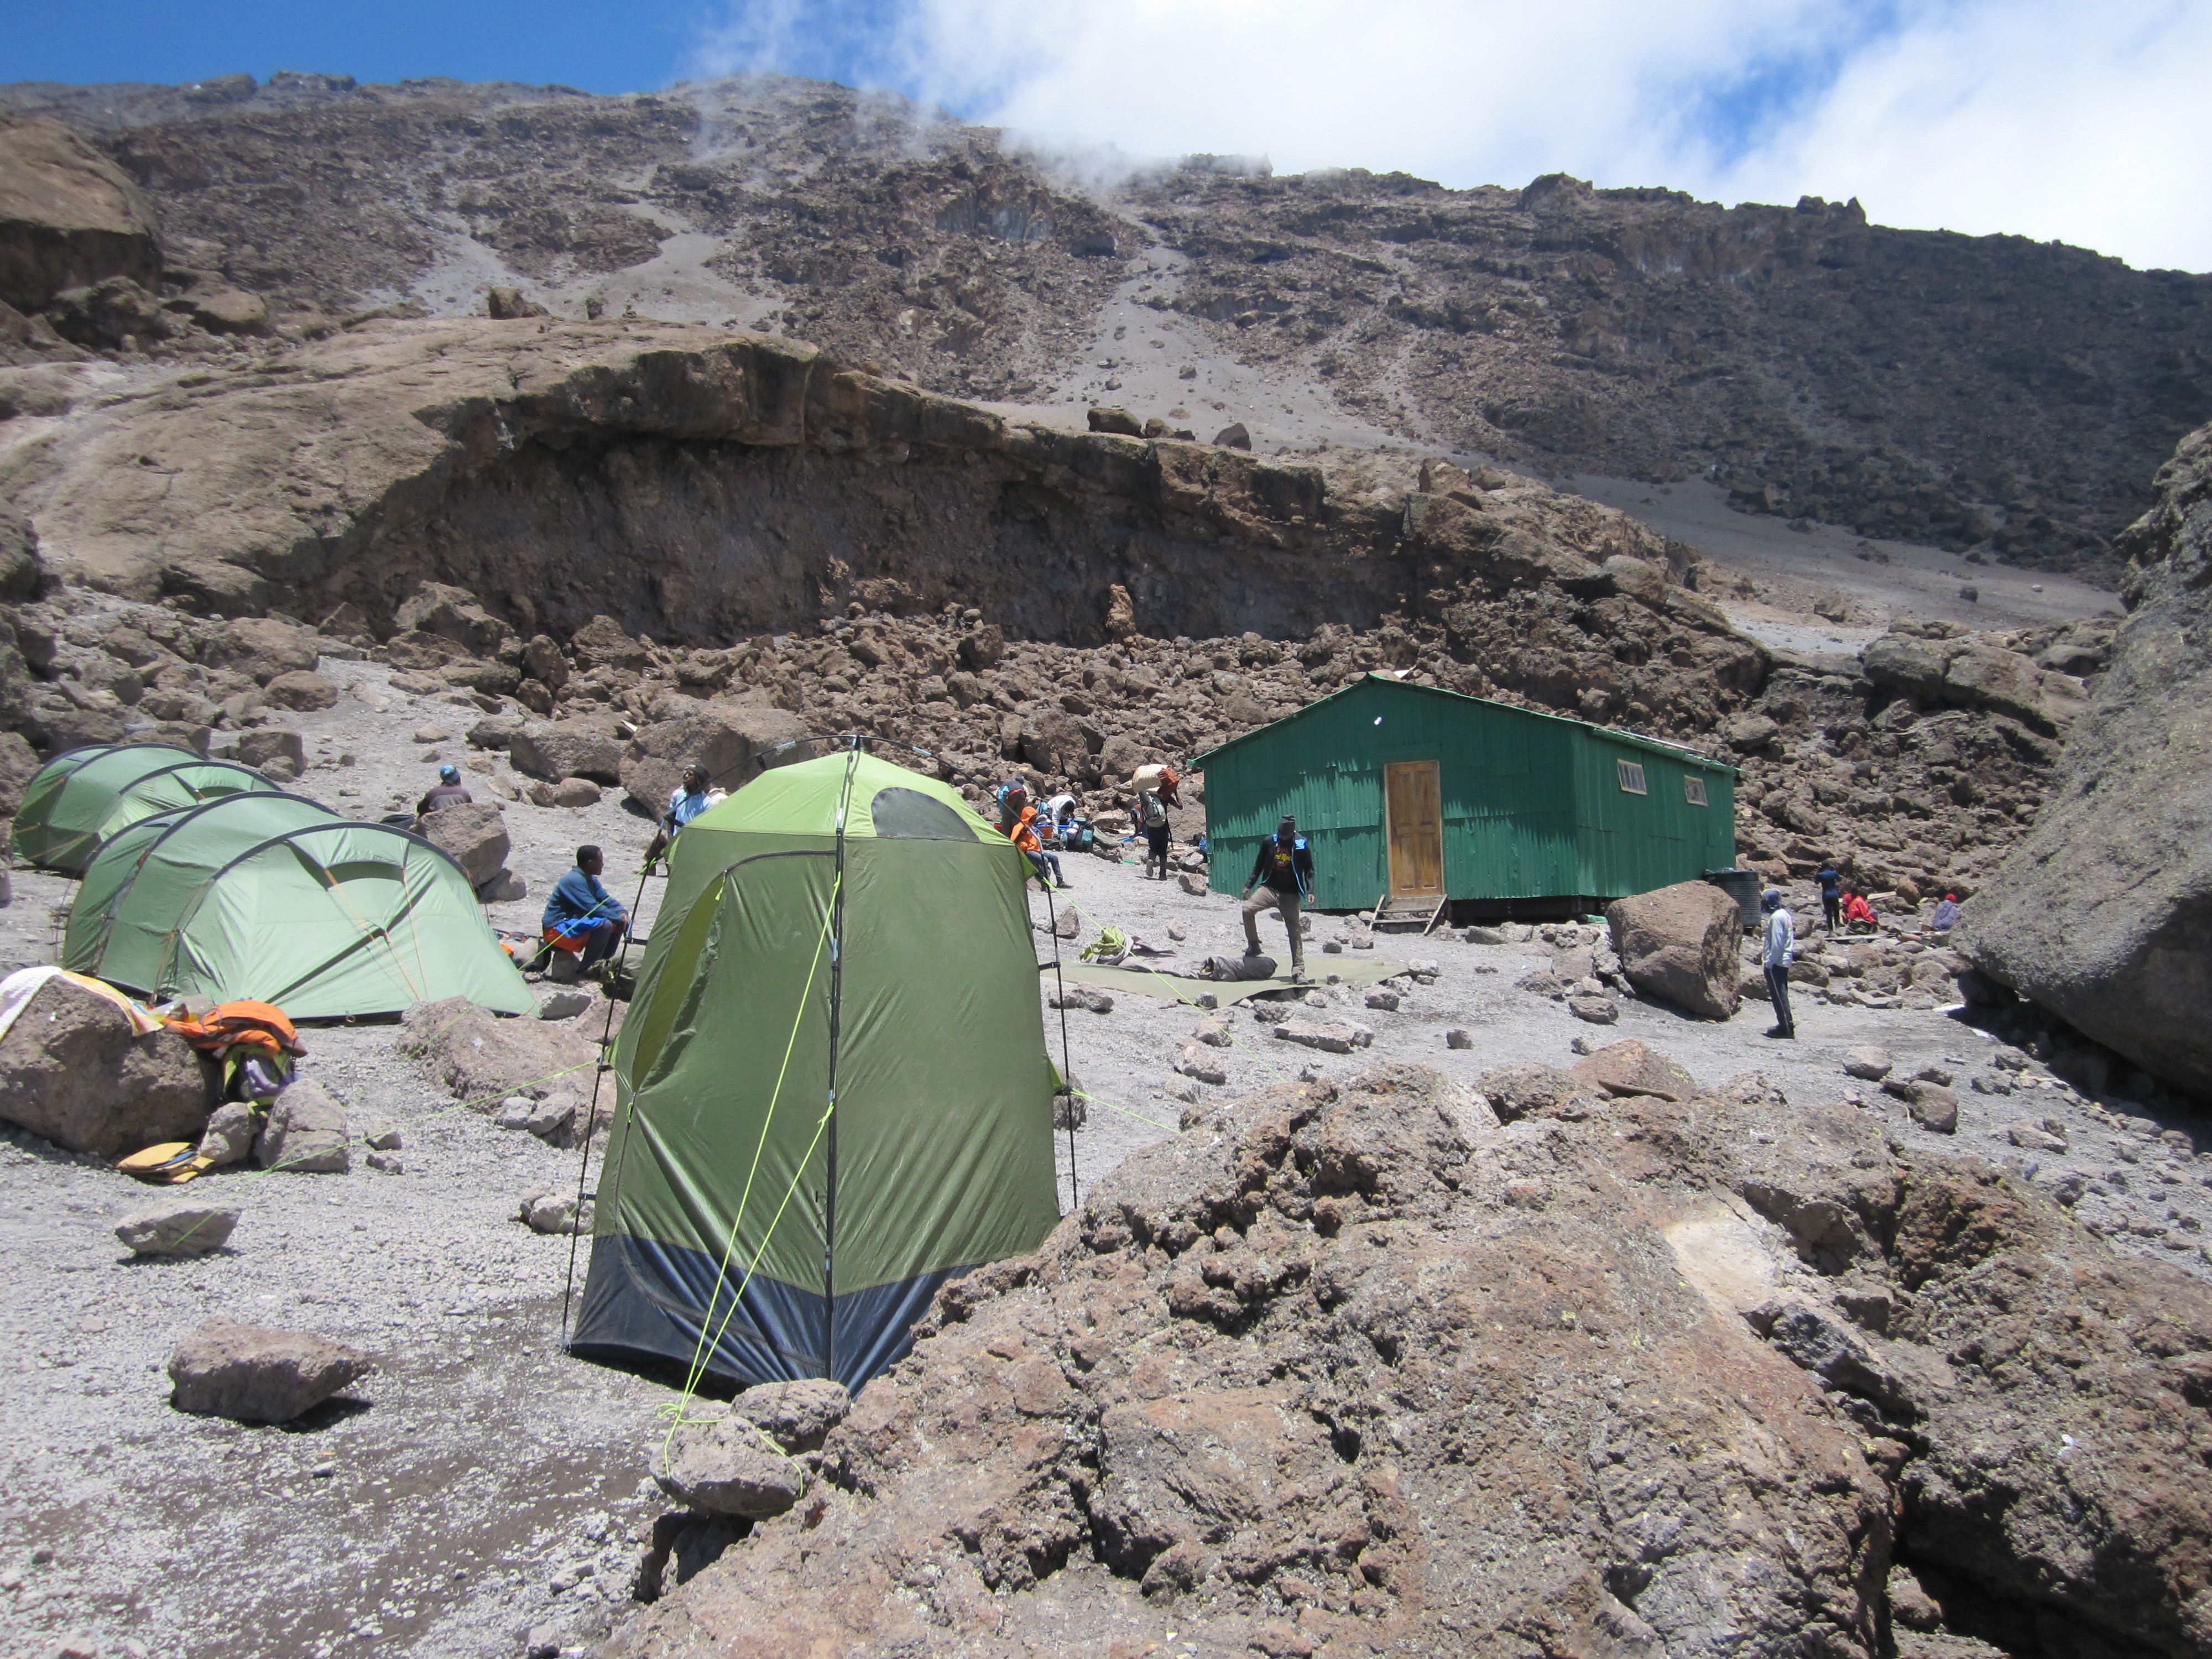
<point x="1744" y="887"/>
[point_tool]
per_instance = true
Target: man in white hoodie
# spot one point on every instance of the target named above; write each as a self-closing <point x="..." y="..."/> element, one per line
<point x="1781" y="945"/>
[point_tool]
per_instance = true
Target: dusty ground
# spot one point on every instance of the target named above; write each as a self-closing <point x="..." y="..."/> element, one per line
<point x="455" y="1505"/>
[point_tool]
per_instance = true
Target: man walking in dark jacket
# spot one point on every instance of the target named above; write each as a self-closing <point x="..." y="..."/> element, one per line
<point x="1832" y="896"/>
<point x="1283" y="874"/>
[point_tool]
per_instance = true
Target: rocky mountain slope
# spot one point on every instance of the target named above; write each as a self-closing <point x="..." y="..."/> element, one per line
<point x="1969" y="392"/>
<point x="749" y="519"/>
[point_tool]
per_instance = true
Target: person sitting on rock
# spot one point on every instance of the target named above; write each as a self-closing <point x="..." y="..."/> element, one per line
<point x="686" y="801"/>
<point x="1283" y="871"/>
<point x="1946" y="914"/>
<point x="446" y="792"/>
<point x="1858" y="915"/>
<point x="581" y="917"/>
<point x="1781" y="945"/>
<point x="1022" y="831"/>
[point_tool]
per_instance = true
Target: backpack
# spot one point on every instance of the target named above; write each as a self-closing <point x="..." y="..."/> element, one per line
<point x="1156" y="815"/>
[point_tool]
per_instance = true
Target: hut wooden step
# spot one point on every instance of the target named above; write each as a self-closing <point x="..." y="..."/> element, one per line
<point x="1407" y="916"/>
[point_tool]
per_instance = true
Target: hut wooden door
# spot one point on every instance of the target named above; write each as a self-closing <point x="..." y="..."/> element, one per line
<point x="1414" y="810"/>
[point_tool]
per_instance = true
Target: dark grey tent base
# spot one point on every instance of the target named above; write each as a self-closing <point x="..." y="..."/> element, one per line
<point x="647" y="1298"/>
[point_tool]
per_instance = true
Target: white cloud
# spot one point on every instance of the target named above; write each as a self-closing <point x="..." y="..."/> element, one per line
<point x="2040" y="117"/>
<point x="2070" y="119"/>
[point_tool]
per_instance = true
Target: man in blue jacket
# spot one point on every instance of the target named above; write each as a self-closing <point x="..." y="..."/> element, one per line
<point x="581" y="917"/>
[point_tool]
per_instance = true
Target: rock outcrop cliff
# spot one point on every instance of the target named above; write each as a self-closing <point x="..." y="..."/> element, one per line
<point x="2102" y="914"/>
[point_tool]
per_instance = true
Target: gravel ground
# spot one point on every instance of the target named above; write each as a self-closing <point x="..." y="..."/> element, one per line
<point x="481" y="1484"/>
<point x="2150" y="1195"/>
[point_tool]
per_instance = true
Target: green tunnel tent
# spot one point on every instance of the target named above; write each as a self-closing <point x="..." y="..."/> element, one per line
<point x="83" y="796"/>
<point x="272" y="897"/>
<point x="840" y="924"/>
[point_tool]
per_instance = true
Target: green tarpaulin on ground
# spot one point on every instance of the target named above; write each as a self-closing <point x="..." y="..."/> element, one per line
<point x="842" y="924"/>
<point x="83" y="796"/>
<point x="272" y="897"/>
<point x="1143" y="982"/>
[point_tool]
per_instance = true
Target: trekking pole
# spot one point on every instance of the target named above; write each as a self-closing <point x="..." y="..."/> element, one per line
<point x="592" y="1111"/>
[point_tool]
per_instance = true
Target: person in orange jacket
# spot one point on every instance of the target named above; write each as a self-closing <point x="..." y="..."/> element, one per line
<point x="1021" y="830"/>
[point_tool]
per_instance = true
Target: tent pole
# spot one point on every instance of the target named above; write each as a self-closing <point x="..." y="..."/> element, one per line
<point x="1067" y="1063"/>
<point x="837" y="1007"/>
<point x="592" y="1111"/>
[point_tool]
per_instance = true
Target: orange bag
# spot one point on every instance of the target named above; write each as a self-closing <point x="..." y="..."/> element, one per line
<point x="245" y="1024"/>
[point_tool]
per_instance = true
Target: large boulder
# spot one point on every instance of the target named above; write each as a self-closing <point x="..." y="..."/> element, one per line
<point x="588" y="746"/>
<point x="1347" y="1349"/>
<point x="452" y="613"/>
<point x="474" y="832"/>
<point x="1680" y="945"/>
<point x="721" y="1463"/>
<point x="484" y="1059"/>
<point x="69" y="216"/>
<point x="1972" y="672"/>
<point x="177" y="1227"/>
<point x="252" y="1374"/>
<point x="74" y="1071"/>
<point x="2103" y="912"/>
<point x="1633" y="1068"/>
<point x="728" y="737"/>
<point x="305" y="1132"/>
<point x="261" y="647"/>
<point x="601" y="643"/>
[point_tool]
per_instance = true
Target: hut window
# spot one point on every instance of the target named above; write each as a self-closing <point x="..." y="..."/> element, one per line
<point x="1632" y="777"/>
<point x="1693" y="791"/>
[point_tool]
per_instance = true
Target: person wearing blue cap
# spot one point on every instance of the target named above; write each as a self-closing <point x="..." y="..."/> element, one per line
<point x="446" y="792"/>
<point x="1781" y="945"/>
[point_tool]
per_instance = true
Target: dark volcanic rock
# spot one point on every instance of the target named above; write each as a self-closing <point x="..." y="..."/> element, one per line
<point x="69" y="216"/>
<point x="2104" y="913"/>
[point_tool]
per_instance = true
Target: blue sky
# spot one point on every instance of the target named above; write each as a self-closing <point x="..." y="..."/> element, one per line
<point x="634" y="47"/>
<point x="2078" y="121"/>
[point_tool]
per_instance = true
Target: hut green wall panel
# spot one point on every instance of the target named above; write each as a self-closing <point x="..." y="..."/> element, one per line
<point x="1532" y="804"/>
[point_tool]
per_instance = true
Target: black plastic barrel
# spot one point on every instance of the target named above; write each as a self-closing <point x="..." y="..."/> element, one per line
<point x="1743" y="886"/>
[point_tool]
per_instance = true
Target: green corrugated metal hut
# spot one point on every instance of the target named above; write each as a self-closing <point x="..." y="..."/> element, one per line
<point x="1409" y="792"/>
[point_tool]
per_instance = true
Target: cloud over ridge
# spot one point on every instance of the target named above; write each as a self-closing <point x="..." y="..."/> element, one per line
<point x="2070" y="119"/>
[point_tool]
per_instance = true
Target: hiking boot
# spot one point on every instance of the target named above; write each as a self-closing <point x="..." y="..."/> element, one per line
<point x="1780" y="1031"/>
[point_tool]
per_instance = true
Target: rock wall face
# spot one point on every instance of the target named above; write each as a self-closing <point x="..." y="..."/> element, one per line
<point x="704" y="486"/>
<point x="2102" y="914"/>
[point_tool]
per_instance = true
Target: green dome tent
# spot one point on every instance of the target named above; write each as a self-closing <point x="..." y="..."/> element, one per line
<point x="83" y="796"/>
<point x="832" y="1089"/>
<point x="275" y="899"/>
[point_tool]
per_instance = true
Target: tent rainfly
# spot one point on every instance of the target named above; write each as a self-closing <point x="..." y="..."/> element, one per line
<point x="275" y="899"/>
<point x="832" y="1089"/>
<point x="83" y="796"/>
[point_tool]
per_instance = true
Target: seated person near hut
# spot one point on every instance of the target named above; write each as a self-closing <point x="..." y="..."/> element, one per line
<point x="1858" y="915"/>
<point x="581" y="917"/>
<point x="1946" y="914"/>
<point x="446" y="792"/>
